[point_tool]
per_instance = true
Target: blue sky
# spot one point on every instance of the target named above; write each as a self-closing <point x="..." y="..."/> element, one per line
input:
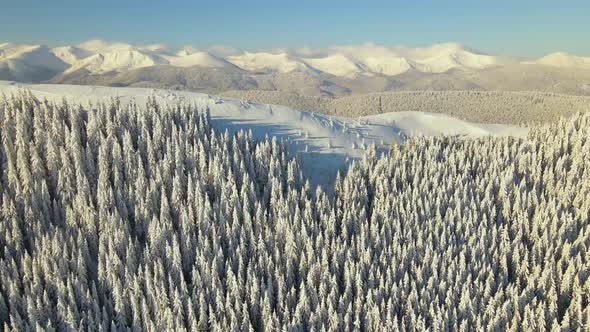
<point x="523" y="28"/>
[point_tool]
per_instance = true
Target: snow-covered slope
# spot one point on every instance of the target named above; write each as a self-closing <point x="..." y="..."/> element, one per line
<point x="280" y="62"/>
<point x="31" y="55"/>
<point x="434" y="124"/>
<point x="370" y="59"/>
<point x="343" y="61"/>
<point x="197" y="58"/>
<point x="28" y="62"/>
<point x="389" y="65"/>
<point x="323" y="142"/>
<point x="120" y="56"/>
<point x="441" y="63"/>
<point x="336" y="64"/>
<point x="373" y="59"/>
<point x="118" y="60"/>
<point x="71" y="54"/>
<point x="563" y="60"/>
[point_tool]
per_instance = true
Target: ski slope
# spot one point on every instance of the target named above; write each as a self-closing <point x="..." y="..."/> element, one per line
<point x="325" y="144"/>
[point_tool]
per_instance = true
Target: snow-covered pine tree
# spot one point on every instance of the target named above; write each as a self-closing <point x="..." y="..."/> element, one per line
<point x="147" y="218"/>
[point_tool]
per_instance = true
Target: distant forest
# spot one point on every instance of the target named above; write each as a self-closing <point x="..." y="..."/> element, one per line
<point x="144" y="218"/>
<point x="516" y="108"/>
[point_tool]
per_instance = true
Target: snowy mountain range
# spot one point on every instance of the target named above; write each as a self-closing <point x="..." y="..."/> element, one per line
<point x="337" y="70"/>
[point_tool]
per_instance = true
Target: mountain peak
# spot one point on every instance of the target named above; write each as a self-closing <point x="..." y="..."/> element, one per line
<point x="563" y="60"/>
<point x="189" y="58"/>
<point x="281" y="62"/>
<point x="99" y="45"/>
<point x="346" y="61"/>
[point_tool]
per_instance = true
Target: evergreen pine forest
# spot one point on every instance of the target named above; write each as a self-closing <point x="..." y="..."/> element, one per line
<point x="126" y="217"/>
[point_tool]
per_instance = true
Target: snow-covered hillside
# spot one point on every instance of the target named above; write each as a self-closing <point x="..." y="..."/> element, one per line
<point x="370" y="59"/>
<point x="391" y="61"/>
<point x="185" y="58"/>
<point x="70" y="54"/>
<point x="337" y="64"/>
<point x="563" y="60"/>
<point x="281" y="62"/>
<point x="323" y="142"/>
<point x="29" y="62"/>
<point x="117" y="60"/>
